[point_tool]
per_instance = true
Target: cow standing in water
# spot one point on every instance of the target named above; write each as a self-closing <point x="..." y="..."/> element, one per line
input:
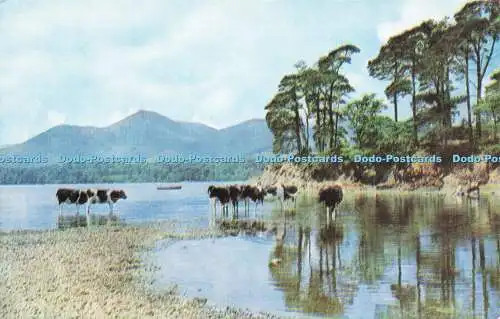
<point x="331" y="196"/>
<point x="71" y="196"/>
<point x="103" y="196"/>
<point x="255" y="194"/>
<point x="235" y="196"/>
<point x="221" y="194"/>
<point x="284" y="193"/>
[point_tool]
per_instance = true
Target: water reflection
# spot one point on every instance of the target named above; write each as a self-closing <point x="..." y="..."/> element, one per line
<point x="78" y="220"/>
<point x="396" y="257"/>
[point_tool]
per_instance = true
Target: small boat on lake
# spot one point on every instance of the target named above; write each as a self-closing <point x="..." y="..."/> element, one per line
<point x="168" y="187"/>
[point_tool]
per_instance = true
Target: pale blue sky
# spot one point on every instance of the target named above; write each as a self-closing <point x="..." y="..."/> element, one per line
<point x="218" y="62"/>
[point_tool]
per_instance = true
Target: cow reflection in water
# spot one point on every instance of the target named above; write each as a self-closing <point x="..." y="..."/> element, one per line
<point x="411" y="241"/>
<point x="325" y="292"/>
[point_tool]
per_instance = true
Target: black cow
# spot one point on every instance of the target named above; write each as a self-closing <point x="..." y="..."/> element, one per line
<point x="235" y="196"/>
<point x="284" y="193"/>
<point x="221" y="194"/>
<point x="254" y="193"/>
<point x="331" y="196"/>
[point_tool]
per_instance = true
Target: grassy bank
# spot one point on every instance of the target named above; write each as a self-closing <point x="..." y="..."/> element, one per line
<point x="93" y="273"/>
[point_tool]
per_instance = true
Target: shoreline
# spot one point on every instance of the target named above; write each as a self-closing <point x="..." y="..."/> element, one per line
<point x="96" y="273"/>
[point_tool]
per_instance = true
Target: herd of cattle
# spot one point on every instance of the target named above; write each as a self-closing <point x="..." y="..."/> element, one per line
<point x="330" y="196"/>
<point x="80" y="197"/>
<point x="225" y="194"/>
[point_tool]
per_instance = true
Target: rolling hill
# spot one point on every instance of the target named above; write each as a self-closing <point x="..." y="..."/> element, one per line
<point x="149" y="133"/>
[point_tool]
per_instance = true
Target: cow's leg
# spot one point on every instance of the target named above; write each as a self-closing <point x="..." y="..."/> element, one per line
<point x="60" y="209"/>
<point x="88" y="214"/>
<point x="212" y="206"/>
<point x="327" y="215"/>
<point x="77" y="215"/>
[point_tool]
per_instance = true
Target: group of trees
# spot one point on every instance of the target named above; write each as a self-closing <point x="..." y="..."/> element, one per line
<point x="436" y="65"/>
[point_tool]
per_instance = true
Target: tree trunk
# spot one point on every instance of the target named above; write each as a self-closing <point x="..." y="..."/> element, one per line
<point x="318" y="125"/>
<point x="330" y="118"/>
<point x="332" y="127"/>
<point x="467" y="89"/>
<point x="337" y="126"/>
<point x="414" y="101"/>
<point x="395" y="101"/>
<point x="297" y="129"/>
<point x="495" y="138"/>
<point x="324" y="129"/>
<point x="307" y="133"/>
<point x="478" y="90"/>
<point x="395" y="97"/>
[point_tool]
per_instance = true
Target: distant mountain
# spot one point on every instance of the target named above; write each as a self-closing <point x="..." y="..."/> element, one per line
<point x="149" y="133"/>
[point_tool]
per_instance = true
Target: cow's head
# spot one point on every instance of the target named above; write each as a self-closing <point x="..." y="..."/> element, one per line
<point x="271" y="190"/>
<point x="121" y="194"/>
<point x="90" y="193"/>
<point x="210" y="189"/>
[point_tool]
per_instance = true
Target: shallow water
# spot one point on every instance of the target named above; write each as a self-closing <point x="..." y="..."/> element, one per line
<point x="385" y="257"/>
<point x="446" y="252"/>
<point x="35" y="206"/>
<point x="229" y="271"/>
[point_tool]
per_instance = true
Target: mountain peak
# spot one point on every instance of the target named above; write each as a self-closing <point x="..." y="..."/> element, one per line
<point x="149" y="132"/>
<point x="142" y="112"/>
<point x="144" y="116"/>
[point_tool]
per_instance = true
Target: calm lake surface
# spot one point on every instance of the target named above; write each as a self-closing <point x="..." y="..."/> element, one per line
<point x="35" y="206"/>
<point x="385" y="256"/>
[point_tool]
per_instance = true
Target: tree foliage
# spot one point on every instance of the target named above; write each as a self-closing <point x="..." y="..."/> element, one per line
<point x="437" y="65"/>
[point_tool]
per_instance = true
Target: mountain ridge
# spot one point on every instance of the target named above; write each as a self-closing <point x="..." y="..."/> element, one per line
<point x="149" y="133"/>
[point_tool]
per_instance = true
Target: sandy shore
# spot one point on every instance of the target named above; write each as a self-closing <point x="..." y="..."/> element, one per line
<point x="92" y="273"/>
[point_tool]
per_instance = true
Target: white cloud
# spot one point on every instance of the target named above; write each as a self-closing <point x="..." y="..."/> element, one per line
<point x="217" y="62"/>
<point x="413" y="12"/>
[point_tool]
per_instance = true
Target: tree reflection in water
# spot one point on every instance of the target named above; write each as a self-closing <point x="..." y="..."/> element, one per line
<point x="422" y="248"/>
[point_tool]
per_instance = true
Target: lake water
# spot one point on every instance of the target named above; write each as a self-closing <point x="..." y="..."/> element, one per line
<point x="35" y="206"/>
<point x="384" y="257"/>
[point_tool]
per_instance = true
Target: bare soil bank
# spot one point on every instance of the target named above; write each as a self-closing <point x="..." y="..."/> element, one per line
<point x="92" y="273"/>
<point x="413" y="177"/>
